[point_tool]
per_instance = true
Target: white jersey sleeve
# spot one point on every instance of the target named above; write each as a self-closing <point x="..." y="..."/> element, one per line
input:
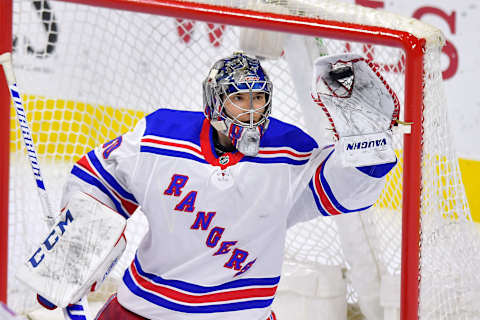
<point x="106" y="172"/>
<point x="334" y="189"/>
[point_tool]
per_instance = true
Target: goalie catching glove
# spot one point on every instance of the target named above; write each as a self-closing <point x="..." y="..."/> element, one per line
<point x="361" y="108"/>
<point x="77" y="254"/>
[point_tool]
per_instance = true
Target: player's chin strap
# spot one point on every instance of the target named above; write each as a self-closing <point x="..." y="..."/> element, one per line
<point x="246" y="140"/>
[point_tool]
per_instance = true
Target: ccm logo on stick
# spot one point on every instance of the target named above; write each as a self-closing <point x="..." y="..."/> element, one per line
<point x="51" y="239"/>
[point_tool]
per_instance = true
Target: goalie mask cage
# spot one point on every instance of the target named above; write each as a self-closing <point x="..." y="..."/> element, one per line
<point x="89" y="69"/>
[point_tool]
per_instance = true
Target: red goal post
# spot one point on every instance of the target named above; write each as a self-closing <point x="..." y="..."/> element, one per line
<point x="5" y="46"/>
<point x="319" y="24"/>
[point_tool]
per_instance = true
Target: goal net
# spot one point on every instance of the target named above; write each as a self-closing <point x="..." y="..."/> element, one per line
<point x="89" y="70"/>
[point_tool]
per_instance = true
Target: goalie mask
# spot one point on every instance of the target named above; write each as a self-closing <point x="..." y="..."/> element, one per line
<point x="237" y="100"/>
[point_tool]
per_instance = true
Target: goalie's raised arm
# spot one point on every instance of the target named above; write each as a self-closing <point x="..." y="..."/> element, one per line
<point x="360" y="105"/>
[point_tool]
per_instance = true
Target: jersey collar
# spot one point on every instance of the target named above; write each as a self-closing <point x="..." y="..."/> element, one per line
<point x="208" y="149"/>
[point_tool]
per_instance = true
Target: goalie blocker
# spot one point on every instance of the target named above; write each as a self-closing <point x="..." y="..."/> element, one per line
<point x="77" y="254"/>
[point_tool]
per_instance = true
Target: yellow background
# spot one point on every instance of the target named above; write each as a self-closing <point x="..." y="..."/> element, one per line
<point x="471" y="179"/>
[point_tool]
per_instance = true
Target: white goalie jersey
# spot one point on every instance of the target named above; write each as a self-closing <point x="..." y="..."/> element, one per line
<point x="217" y="225"/>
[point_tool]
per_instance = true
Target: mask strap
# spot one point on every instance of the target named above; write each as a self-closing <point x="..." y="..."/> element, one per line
<point x="235" y="132"/>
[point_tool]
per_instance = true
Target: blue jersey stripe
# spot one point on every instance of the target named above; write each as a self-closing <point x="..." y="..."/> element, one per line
<point x="274" y="160"/>
<point x="330" y="195"/>
<point x="226" y="307"/>
<point x="187" y="125"/>
<point x="379" y="170"/>
<point x="186" y="155"/>
<point x="109" y="178"/>
<point x="317" y="201"/>
<point x="79" y="173"/>
<point x="171" y="153"/>
<point x="194" y="288"/>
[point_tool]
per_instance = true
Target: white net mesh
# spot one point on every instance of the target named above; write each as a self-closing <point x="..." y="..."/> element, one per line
<point x="89" y="74"/>
<point x="449" y="241"/>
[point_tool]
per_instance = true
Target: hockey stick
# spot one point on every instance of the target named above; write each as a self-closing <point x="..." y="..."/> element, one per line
<point x="74" y="311"/>
<point x="5" y="60"/>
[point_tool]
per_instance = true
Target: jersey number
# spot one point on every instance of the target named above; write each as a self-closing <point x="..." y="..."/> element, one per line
<point x="110" y="146"/>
